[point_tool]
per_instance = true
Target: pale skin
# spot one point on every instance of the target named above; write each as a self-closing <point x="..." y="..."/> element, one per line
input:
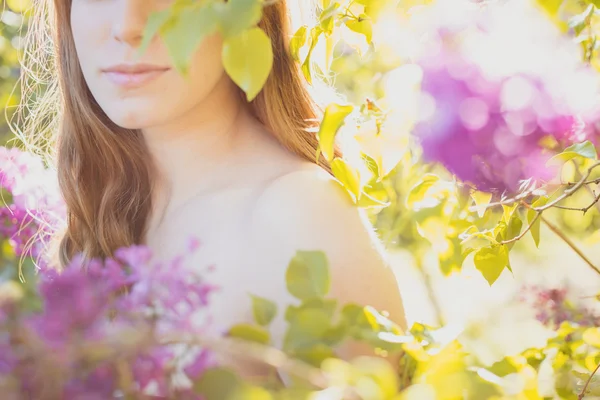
<point x="225" y="179"/>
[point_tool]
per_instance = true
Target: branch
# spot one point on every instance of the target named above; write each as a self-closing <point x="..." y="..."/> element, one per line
<point x="537" y="215"/>
<point x="589" y="379"/>
<point x="507" y="202"/>
<point x="590" y="182"/>
<point x="570" y="191"/>
<point x="568" y="241"/>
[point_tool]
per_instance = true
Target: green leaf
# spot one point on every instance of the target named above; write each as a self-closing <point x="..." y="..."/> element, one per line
<point x="362" y="25"/>
<point x="593" y="388"/>
<point x="579" y="22"/>
<point x="327" y="18"/>
<point x="250" y="392"/>
<point x="298" y="40"/>
<point x="236" y="16"/>
<point x="419" y="190"/>
<point x="382" y="373"/>
<point x="372" y="165"/>
<point x="217" y="384"/>
<point x="264" y="310"/>
<point x="315" y="32"/>
<point x="591" y="336"/>
<point x="512" y="227"/>
<point x="186" y="32"/>
<point x="535" y="228"/>
<point x="315" y="354"/>
<point x="251" y="333"/>
<point x="504" y="367"/>
<point x="308" y="327"/>
<point x="580" y="150"/>
<point x="481" y="200"/>
<point x="155" y="23"/>
<point x="551" y="6"/>
<point x="334" y="117"/>
<point x="491" y="261"/>
<point x="367" y="201"/>
<point x="312" y="322"/>
<point x="348" y="177"/>
<point x="307" y="275"/>
<point x="248" y="59"/>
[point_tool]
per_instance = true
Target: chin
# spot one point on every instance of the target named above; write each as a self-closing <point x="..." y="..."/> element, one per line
<point x="131" y="119"/>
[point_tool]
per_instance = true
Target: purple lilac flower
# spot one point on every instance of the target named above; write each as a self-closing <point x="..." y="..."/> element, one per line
<point x="74" y="303"/>
<point x="202" y="361"/>
<point x="171" y="290"/>
<point x="478" y="137"/>
<point x="552" y="307"/>
<point x="486" y="115"/>
<point x="31" y="207"/>
<point x="151" y="366"/>
<point x="98" y="384"/>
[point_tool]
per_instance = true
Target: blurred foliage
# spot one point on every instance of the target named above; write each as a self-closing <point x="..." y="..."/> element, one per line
<point x="418" y="206"/>
<point x="12" y="21"/>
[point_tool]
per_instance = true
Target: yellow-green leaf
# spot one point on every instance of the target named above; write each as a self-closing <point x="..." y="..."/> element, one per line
<point x="481" y="200"/>
<point x="512" y="227"/>
<point x="315" y="32"/>
<point x="250" y="392"/>
<point x="419" y="190"/>
<point x="236" y="16"/>
<point x="334" y="117"/>
<point x="362" y="25"/>
<point x="592" y="337"/>
<point x="298" y="40"/>
<point x="155" y="22"/>
<point x="185" y="33"/>
<point x="381" y="371"/>
<point x="580" y="150"/>
<point x="252" y="333"/>
<point x="307" y="275"/>
<point x="535" y="228"/>
<point x="348" y="177"/>
<point x="248" y="59"/>
<point x="327" y="17"/>
<point x="264" y="310"/>
<point x="217" y="384"/>
<point x="491" y="261"/>
<point x="18" y="6"/>
<point x="367" y="201"/>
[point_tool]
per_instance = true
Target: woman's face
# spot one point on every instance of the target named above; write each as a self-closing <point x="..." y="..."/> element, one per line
<point x="107" y="34"/>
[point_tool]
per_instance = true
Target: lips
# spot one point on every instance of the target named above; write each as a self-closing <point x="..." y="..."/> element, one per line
<point x="133" y="78"/>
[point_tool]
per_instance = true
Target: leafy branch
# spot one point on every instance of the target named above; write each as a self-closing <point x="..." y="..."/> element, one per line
<point x="524" y="232"/>
<point x="587" y="383"/>
<point x="569" y="242"/>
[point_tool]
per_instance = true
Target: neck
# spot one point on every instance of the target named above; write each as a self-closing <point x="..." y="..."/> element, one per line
<point x="188" y="151"/>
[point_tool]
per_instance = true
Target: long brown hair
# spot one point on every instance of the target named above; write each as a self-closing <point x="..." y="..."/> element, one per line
<point x="104" y="172"/>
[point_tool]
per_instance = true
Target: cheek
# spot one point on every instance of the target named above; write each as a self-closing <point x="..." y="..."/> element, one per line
<point x="205" y="69"/>
<point x="174" y="95"/>
<point x="88" y="34"/>
<point x="158" y="102"/>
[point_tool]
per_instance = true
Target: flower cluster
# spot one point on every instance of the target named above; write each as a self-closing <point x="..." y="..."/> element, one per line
<point x="552" y="307"/>
<point x="101" y="327"/>
<point x="31" y="206"/>
<point x="491" y="111"/>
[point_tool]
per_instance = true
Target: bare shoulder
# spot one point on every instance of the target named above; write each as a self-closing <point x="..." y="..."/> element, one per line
<point x="309" y="206"/>
<point x="306" y="209"/>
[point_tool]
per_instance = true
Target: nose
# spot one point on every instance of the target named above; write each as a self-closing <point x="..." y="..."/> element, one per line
<point x="129" y="23"/>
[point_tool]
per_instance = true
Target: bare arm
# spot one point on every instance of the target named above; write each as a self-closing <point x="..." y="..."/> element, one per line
<point x="306" y="210"/>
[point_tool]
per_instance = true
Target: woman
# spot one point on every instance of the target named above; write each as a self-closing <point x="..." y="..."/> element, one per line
<point x="158" y="157"/>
